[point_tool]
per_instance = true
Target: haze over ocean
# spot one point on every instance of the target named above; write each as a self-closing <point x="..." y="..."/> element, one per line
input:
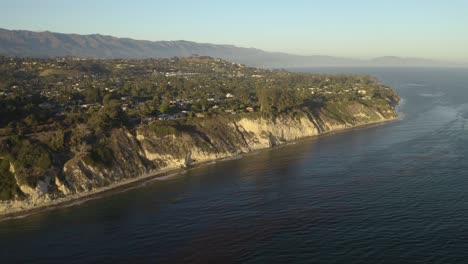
<point x="357" y="29"/>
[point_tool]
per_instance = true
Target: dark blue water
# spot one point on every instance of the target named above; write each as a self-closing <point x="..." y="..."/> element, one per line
<point x="387" y="194"/>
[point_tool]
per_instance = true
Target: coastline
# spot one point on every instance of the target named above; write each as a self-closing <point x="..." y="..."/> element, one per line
<point x="165" y="174"/>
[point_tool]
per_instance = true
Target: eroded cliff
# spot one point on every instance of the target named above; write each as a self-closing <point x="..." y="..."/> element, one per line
<point x="145" y="151"/>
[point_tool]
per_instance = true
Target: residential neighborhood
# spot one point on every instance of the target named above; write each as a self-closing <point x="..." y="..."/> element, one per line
<point x="141" y="91"/>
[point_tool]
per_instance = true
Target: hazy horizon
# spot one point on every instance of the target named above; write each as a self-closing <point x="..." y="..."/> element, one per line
<point x="359" y="30"/>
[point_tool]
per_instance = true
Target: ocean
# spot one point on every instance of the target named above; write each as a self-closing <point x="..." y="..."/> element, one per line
<point x="393" y="193"/>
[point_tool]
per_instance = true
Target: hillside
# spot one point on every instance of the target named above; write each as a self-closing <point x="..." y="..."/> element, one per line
<point x="22" y="43"/>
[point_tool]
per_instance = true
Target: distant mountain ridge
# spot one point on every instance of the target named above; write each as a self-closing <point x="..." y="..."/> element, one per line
<point x="23" y="43"/>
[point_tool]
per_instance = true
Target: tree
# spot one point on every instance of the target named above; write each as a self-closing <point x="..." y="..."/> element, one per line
<point x="263" y="95"/>
<point x="107" y="98"/>
<point x="154" y="105"/>
<point x="92" y="95"/>
<point x="243" y="93"/>
<point x="164" y="106"/>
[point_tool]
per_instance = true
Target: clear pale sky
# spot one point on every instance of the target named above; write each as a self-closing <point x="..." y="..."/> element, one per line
<point x="350" y="28"/>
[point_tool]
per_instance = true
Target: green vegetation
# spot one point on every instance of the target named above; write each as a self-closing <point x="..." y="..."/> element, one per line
<point x="54" y="109"/>
<point x="54" y="140"/>
<point x="26" y="155"/>
<point x="339" y="111"/>
<point x="29" y="160"/>
<point x="110" y="93"/>
<point x="8" y="187"/>
<point x="100" y="156"/>
<point x="162" y="129"/>
<point x="164" y="106"/>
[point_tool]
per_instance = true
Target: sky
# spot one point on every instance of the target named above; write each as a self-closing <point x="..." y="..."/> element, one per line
<point x="346" y="28"/>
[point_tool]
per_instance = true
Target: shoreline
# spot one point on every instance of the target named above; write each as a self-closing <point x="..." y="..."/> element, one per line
<point x="164" y="174"/>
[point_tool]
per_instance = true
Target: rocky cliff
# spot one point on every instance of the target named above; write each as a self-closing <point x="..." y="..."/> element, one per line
<point x="144" y="151"/>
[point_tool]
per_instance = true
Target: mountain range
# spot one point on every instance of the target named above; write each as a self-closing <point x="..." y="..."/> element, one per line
<point x="23" y="43"/>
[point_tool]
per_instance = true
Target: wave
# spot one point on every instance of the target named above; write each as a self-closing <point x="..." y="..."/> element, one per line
<point x="401" y="104"/>
<point x="233" y="158"/>
<point x="165" y="177"/>
<point x="431" y="94"/>
<point x="413" y="85"/>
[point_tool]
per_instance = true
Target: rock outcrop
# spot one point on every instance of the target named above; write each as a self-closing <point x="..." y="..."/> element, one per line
<point x="142" y="153"/>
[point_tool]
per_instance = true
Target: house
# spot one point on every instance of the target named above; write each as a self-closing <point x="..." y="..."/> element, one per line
<point x="85" y="106"/>
<point x="46" y="105"/>
<point x="164" y="117"/>
<point x="362" y="92"/>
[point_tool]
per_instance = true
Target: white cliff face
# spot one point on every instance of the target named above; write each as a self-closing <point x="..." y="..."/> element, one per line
<point x="264" y="133"/>
<point x="37" y="195"/>
<point x="143" y="153"/>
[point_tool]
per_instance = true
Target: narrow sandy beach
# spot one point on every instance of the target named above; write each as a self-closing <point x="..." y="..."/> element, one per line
<point x="13" y="211"/>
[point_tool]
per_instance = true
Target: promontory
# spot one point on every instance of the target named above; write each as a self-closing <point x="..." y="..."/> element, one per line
<point x="71" y="127"/>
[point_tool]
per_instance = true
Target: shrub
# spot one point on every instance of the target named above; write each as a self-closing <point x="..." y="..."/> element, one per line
<point x="8" y="187"/>
<point x="30" y="161"/>
<point x="27" y="155"/>
<point x="31" y="156"/>
<point x="100" y="156"/>
<point x="55" y="140"/>
<point x="162" y="130"/>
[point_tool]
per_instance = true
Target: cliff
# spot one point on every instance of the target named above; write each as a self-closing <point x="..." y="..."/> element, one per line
<point x="145" y="151"/>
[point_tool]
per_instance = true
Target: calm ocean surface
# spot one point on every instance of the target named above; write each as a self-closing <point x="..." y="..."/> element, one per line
<point x="396" y="193"/>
